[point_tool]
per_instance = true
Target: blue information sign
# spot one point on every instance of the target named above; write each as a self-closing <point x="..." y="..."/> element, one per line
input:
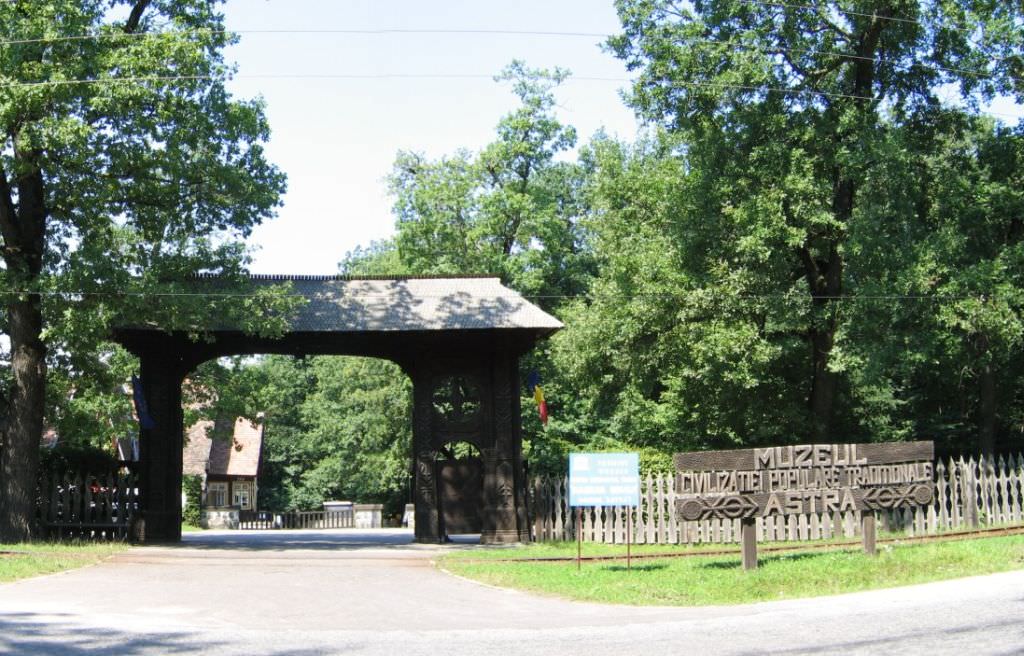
<point x="604" y="479"/>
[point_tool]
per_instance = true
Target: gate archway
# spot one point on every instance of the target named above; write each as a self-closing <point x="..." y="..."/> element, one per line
<point x="458" y="339"/>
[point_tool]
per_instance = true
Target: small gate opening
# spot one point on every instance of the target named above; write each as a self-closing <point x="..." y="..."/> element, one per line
<point x="460" y="477"/>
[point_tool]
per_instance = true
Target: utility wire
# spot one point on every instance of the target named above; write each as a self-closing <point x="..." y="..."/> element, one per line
<point x="385" y="76"/>
<point x="850" y="12"/>
<point x="440" y="76"/>
<point x="212" y="32"/>
<point x="696" y="40"/>
<point x="695" y="295"/>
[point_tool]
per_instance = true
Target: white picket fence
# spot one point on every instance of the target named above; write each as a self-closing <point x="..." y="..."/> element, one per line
<point x="968" y="494"/>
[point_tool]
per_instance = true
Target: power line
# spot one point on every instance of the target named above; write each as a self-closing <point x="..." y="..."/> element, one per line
<point x="212" y="32"/>
<point x="438" y="76"/>
<point x="708" y="41"/>
<point x="850" y="12"/>
<point x="444" y="76"/>
<point x="699" y="295"/>
<point x="385" y="76"/>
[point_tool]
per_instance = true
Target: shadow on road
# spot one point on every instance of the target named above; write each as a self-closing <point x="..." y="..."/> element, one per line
<point x="315" y="540"/>
<point x="57" y="634"/>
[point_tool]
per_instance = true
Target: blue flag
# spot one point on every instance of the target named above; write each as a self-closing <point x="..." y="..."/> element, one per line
<point x="141" y="408"/>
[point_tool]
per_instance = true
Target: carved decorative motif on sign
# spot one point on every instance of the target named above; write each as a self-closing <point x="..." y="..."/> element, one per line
<point x="803" y="479"/>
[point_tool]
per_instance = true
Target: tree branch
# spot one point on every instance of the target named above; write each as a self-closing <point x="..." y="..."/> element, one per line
<point x="135" y="17"/>
<point x="8" y="220"/>
<point x="812" y="270"/>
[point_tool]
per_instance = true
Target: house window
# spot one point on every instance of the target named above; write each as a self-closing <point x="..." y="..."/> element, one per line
<point x="217" y="495"/>
<point x="242" y="495"/>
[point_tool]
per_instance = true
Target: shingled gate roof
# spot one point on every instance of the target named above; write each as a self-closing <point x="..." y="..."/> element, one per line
<point x="347" y="304"/>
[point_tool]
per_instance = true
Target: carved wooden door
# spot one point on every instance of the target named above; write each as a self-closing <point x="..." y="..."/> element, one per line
<point x="460" y="484"/>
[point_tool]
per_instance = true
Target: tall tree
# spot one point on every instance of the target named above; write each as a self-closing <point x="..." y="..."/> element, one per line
<point x="511" y="209"/>
<point x="971" y="257"/>
<point x="124" y="163"/>
<point x="785" y="109"/>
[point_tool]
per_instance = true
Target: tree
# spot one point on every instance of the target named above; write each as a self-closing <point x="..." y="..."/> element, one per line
<point x="335" y="427"/>
<point x="124" y="164"/>
<point x="510" y="209"/>
<point x="970" y="258"/>
<point x="783" y="112"/>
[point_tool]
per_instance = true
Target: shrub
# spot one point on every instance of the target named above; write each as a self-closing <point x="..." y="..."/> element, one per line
<point x="192" y="486"/>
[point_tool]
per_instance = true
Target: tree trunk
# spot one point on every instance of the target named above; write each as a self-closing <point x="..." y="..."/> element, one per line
<point x="23" y="228"/>
<point x="19" y="458"/>
<point x="824" y="271"/>
<point x="987" y="410"/>
<point x="987" y="402"/>
<point x="825" y="282"/>
<point x="823" y="381"/>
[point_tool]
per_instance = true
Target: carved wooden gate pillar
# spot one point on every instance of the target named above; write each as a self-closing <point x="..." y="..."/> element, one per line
<point x="160" y="447"/>
<point x="476" y="400"/>
<point x="505" y="518"/>
<point x="425" y="498"/>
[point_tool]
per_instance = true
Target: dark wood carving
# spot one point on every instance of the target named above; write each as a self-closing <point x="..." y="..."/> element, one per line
<point x="805" y="456"/>
<point x="803" y="479"/>
<point x="801" y="502"/>
<point x="461" y="490"/>
<point x="483" y="410"/>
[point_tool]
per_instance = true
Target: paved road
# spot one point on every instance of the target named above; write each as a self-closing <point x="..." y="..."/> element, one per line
<point x="345" y="592"/>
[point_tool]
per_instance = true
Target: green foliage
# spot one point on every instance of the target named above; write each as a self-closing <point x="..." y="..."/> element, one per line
<point x="192" y="486"/>
<point x="337" y="428"/>
<point x="69" y="458"/>
<point x="754" y="255"/>
<point x="125" y="167"/>
<point x="510" y="210"/>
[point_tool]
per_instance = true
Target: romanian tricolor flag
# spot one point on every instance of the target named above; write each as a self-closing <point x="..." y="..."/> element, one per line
<point x="533" y="382"/>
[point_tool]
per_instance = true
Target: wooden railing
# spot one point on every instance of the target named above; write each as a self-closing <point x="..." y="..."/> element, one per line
<point x="968" y="493"/>
<point x="86" y="506"/>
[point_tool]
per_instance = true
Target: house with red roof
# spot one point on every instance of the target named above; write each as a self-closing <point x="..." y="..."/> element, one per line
<point x="227" y="466"/>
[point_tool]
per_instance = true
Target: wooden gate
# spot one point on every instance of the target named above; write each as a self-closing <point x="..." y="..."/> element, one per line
<point x="87" y="506"/>
<point x="461" y="486"/>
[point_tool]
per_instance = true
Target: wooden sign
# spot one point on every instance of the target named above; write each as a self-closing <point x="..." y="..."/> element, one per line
<point x="803" y="479"/>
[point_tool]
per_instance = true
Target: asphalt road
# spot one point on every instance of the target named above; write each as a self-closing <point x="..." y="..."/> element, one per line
<point x="346" y="592"/>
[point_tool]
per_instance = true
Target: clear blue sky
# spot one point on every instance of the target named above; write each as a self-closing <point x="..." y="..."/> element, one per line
<point x="337" y="138"/>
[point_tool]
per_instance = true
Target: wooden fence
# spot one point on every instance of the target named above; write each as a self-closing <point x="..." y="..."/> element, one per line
<point x="86" y="506"/>
<point x="968" y="494"/>
<point x="266" y="520"/>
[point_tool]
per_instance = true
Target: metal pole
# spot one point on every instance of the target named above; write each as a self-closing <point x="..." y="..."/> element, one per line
<point x="579" y="535"/>
<point x="629" y="541"/>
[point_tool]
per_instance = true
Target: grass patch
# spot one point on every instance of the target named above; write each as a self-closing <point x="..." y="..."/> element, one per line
<point x="189" y="528"/>
<point x="707" y="580"/>
<point x="19" y="561"/>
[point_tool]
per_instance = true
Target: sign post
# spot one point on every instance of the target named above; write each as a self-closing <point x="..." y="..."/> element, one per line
<point x="804" y="479"/>
<point x="604" y="479"/>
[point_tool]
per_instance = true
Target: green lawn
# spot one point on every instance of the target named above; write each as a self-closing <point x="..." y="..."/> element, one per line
<point x="706" y="580"/>
<point x="19" y="561"/>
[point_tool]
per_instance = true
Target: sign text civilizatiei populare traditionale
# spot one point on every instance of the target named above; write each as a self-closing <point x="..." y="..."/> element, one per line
<point x="810" y="478"/>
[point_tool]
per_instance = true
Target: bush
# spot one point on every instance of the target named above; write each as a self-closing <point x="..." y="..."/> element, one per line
<point x="192" y="486"/>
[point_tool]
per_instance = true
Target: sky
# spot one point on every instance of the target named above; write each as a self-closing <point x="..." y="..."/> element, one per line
<point x="336" y="139"/>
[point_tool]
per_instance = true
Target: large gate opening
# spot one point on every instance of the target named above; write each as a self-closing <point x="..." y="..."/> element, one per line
<point x="284" y="442"/>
